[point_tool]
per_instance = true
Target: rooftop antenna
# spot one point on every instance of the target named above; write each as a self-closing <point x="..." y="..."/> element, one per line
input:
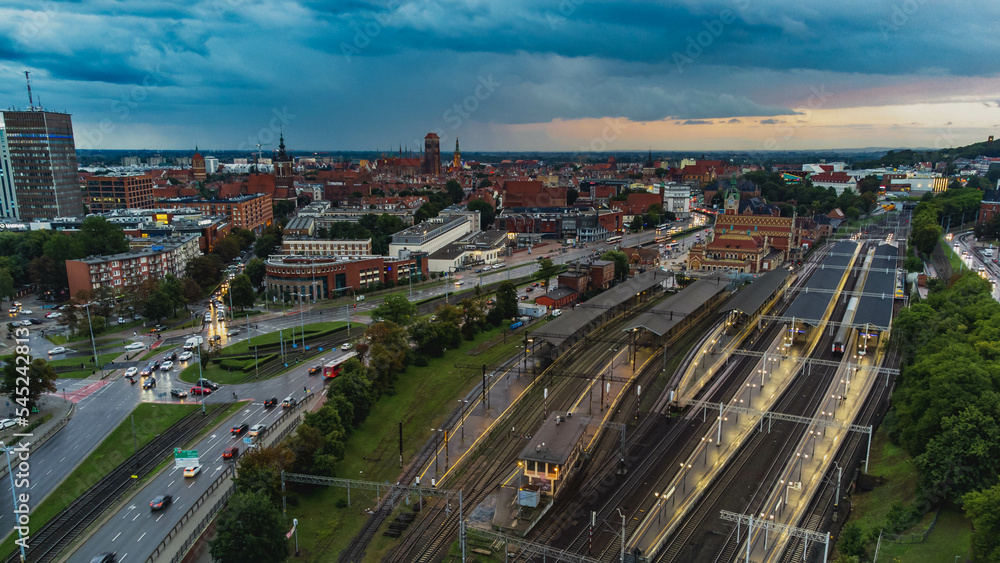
<point x="31" y="102"/>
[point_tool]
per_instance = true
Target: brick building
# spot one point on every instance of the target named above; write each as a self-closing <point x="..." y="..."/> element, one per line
<point x="315" y="247"/>
<point x="251" y="211"/>
<point x="328" y="277"/>
<point x="129" y="269"/>
<point x="105" y="193"/>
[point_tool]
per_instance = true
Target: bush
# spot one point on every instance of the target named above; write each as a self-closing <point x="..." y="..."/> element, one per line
<point x="341" y="503"/>
<point x="420" y="361"/>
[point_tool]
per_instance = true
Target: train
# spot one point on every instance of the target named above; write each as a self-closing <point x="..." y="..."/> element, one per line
<point x="843" y="333"/>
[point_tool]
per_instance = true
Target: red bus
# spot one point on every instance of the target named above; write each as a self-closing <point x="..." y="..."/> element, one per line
<point x="332" y="368"/>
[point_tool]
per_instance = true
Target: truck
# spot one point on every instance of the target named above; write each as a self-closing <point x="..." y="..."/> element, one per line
<point x="193" y="342"/>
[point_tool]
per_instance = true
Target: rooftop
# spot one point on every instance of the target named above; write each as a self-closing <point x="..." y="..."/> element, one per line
<point x="555" y="440"/>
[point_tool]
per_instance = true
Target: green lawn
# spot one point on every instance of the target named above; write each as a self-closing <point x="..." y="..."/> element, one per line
<point x="424" y="396"/>
<point x="150" y="419"/>
<point x="102" y="358"/>
<point x="288" y="335"/>
<point x="951" y="536"/>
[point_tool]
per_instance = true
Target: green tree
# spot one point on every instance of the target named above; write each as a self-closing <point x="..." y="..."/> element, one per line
<point x="266" y="245"/>
<point x="256" y="271"/>
<point x="983" y="509"/>
<point x="157" y="307"/>
<point x="243" y="294"/>
<point x="397" y="309"/>
<point x="487" y="214"/>
<point x="432" y="339"/>
<point x="455" y="191"/>
<point x="191" y="289"/>
<point x="44" y="272"/>
<point x="506" y="302"/>
<point x="41" y="379"/>
<point x="963" y="457"/>
<point x="251" y="529"/>
<point x="228" y="247"/>
<point x="173" y="290"/>
<point x="99" y="236"/>
<point x="245" y="236"/>
<point x="6" y="284"/>
<point x="205" y="270"/>
<point x="546" y="271"/>
<point x="621" y="263"/>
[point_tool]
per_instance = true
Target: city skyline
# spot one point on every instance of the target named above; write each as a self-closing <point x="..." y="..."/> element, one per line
<point x="563" y="76"/>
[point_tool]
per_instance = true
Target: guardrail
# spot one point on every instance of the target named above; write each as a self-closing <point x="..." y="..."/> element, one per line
<point x="203" y="523"/>
<point x="48" y="434"/>
<point x="217" y="507"/>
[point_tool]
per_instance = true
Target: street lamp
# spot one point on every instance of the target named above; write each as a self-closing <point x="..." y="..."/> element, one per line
<point x="302" y="320"/>
<point x="92" y="343"/>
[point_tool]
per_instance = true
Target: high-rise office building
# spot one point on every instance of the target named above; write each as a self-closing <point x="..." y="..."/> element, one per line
<point x="120" y="191"/>
<point x="43" y="163"/>
<point x="8" y="195"/>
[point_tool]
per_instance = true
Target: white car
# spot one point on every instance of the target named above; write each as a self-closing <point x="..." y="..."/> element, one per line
<point x="167" y="366"/>
<point x="345" y="346"/>
<point x="135" y="346"/>
<point x="7" y="423"/>
<point x="26" y="311"/>
<point x="25" y="323"/>
<point x="53" y="315"/>
<point x="131" y="372"/>
<point x="185" y="356"/>
<point x="57" y="350"/>
<point x="192" y="471"/>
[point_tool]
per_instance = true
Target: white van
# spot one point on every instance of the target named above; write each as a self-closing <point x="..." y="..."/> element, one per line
<point x="556" y="312"/>
<point x="193" y="342"/>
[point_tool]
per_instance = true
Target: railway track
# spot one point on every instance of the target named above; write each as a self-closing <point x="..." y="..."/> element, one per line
<point x="58" y="533"/>
<point x="494" y="458"/>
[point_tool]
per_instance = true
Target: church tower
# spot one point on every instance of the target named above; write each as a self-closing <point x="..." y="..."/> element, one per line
<point x="458" y="155"/>
<point x="283" y="173"/>
<point x="432" y="154"/>
<point x="198" y="166"/>
<point x="732" y="198"/>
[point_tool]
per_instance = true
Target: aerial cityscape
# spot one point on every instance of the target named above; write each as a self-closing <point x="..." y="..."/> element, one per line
<point x="480" y="281"/>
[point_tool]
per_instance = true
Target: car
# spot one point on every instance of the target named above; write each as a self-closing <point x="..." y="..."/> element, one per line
<point x="7" y="423"/>
<point x="231" y="453"/>
<point x="146" y="371"/>
<point x="167" y="366"/>
<point x="315" y="369"/>
<point x="17" y="304"/>
<point x="524" y="298"/>
<point x="160" y="502"/>
<point x="135" y="346"/>
<point x="35" y="321"/>
<point x="12" y="310"/>
<point x="106" y="557"/>
<point x="131" y="372"/>
<point x="239" y="429"/>
<point x="534" y="284"/>
<point x="192" y="471"/>
<point x="233" y="332"/>
<point x="529" y="289"/>
<point x="257" y="429"/>
<point x="155" y="365"/>
<point x="208" y="384"/>
<point x="208" y="317"/>
<point x="27" y="312"/>
<point x="215" y="339"/>
<point x="289" y="402"/>
<point x="25" y="323"/>
<point x="149" y="383"/>
<point x="160" y="328"/>
<point x="57" y="350"/>
<point x="53" y="315"/>
<point x="200" y="391"/>
<point x="272" y="402"/>
<point x="177" y="393"/>
<point x="185" y="356"/>
<point x="346" y="346"/>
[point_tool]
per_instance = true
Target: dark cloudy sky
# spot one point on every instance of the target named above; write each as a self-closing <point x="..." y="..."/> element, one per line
<point x="511" y="74"/>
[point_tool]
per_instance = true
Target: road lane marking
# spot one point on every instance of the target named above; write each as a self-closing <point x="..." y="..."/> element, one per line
<point x="136" y="516"/>
<point x="116" y="536"/>
<point x="142" y="536"/>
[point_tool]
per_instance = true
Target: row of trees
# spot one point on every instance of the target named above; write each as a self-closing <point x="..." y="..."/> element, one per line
<point x="946" y="412"/>
<point x="807" y="200"/>
<point x="379" y="228"/>
<point x="950" y="207"/>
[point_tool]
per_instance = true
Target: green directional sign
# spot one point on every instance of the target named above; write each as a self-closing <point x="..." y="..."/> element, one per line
<point x="185" y="454"/>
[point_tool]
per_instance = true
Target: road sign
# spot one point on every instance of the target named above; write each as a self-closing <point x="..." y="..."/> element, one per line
<point x="185" y="458"/>
<point x="247" y="440"/>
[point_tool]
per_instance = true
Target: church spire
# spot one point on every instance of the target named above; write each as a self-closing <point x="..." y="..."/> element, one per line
<point x="458" y="155"/>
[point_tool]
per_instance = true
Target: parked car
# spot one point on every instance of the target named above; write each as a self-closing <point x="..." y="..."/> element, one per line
<point x="26" y="322"/>
<point x="53" y="315"/>
<point x="289" y="402"/>
<point x="192" y="471"/>
<point x="239" y="429"/>
<point x="231" y="453"/>
<point x="57" y="350"/>
<point x="270" y="403"/>
<point x="257" y="429"/>
<point x="178" y="394"/>
<point x="160" y="502"/>
<point x="35" y="321"/>
<point x="200" y="391"/>
<point x="27" y="312"/>
<point x="7" y="423"/>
